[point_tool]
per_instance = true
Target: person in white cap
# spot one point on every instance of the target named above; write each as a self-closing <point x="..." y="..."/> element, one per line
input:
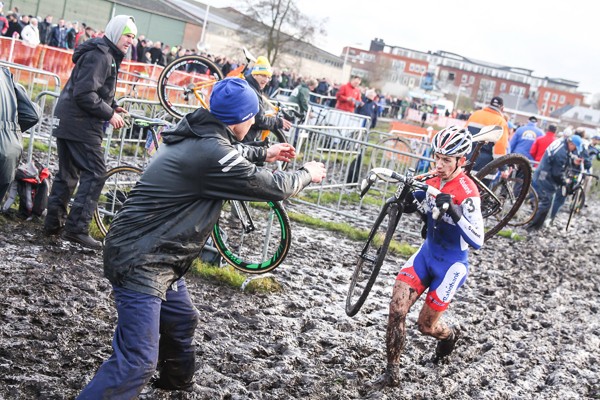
<point x="85" y="104"/>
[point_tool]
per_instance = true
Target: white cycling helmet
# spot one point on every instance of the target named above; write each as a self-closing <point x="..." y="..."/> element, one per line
<point x="452" y="141"/>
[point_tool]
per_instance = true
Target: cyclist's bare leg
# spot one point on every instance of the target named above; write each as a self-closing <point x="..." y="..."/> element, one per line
<point x="430" y="325"/>
<point x="403" y="298"/>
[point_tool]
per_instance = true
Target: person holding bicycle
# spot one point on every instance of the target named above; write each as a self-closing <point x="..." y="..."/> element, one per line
<point x="441" y="263"/>
<point x="549" y="175"/>
<point x="259" y="77"/>
<point x="162" y="228"/>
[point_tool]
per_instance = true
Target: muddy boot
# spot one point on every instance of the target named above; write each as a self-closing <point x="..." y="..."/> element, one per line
<point x="445" y="347"/>
<point x="391" y="378"/>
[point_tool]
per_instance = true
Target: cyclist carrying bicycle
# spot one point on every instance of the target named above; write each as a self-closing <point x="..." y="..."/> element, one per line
<point x="441" y="263"/>
<point x="162" y="228"/>
<point x="259" y="77"/>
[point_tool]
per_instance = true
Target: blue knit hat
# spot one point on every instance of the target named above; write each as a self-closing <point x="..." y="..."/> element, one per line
<point x="233" y="101"/>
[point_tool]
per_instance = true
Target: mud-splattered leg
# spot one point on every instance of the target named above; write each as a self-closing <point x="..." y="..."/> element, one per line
<point x="403" y="299"/>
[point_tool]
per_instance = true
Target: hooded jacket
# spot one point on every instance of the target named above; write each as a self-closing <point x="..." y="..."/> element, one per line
<point x="87" y="100"/>
<point x="169" y="214"/>
<point x="10" y="138"/>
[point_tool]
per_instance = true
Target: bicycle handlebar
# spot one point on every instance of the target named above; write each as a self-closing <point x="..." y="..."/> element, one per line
<point x="391" y="176"/>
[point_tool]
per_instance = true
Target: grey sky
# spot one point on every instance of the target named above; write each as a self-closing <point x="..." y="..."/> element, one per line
<point x="554" y="38"/>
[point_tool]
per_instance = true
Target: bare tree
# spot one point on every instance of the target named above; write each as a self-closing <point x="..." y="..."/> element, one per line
<point x="279" y="24"/>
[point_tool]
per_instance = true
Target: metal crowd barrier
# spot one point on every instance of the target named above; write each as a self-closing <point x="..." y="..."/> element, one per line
<point x="33" y="78"/>
<point x="349" y="152"/>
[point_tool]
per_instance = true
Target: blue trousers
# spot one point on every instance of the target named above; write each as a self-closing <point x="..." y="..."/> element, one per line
<point x="545" y="190"/>
<point x="150" y="333"/>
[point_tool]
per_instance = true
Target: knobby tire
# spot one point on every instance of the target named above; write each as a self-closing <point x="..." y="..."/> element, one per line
<point x="247" y="257"/>
<point x="514" y="160"/>
<point x="165" y="85"/>
<point x="119" y="182"/>
<point x="356" y="296"/>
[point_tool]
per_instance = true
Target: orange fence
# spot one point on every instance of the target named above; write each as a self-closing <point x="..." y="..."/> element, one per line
<point x="59" y="61"/>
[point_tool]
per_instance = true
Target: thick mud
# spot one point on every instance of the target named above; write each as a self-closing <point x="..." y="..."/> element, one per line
<point x="529" y="313"/>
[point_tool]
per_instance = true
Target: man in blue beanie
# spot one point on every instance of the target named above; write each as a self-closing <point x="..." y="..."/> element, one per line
<point x="161" y="230"/>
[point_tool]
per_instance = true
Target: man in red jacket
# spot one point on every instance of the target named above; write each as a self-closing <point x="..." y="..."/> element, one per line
<point x="348" y="97"/>
<point x="541" y="144"/>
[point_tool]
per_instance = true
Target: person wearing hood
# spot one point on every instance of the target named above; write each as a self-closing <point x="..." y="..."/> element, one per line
<point x="85" y="104"/>
<point x="161" y="230"/>
<point x="258" y="78"/>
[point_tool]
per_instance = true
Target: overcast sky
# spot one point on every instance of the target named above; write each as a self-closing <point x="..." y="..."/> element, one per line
<point x="554" y="38"/>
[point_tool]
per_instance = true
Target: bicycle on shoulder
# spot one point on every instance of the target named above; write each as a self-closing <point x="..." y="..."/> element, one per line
<point x="493" y="208"/>
<point x="503" y="184"/>
<point x="186" y="84"/>
<point x="375" y="250"/>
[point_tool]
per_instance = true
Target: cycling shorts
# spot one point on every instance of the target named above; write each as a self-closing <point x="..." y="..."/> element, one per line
<point x="442" y="278"/>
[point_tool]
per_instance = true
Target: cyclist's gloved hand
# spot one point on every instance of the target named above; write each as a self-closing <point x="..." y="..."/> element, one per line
<point x="453" y="211"/>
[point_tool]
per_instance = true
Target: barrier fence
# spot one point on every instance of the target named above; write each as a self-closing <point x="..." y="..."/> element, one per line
<point x="341" y="140"/>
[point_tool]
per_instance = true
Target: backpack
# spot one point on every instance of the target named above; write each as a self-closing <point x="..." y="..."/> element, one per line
<point x="32" y="184"/>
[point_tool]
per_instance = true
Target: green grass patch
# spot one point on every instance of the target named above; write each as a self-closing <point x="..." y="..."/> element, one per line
<point x="333" y="198"/>
<point x="37" y="145"/>
<point x="229" y="276"/>
<point x="399" y="248"/>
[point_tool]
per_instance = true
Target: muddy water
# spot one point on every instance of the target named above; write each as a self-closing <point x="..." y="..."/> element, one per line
<point x="529" y="311"/>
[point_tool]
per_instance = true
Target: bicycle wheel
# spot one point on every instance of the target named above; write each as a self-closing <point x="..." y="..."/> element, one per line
<point x="119" y="182"/>
<point x="276" y="136"/>
<point x="251" y="238"/>
<point x="577" y="201"/>
<point x="497" y="215"/>
<point x="186" y="83"/>
<point x="371" y="258"/>
<point x="527" y="211"/>
<point x="390" y="157"/>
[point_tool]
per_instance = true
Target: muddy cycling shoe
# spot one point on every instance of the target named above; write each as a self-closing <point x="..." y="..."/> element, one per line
<point x="83" y="239"/>
<point x="445" y="347"/>
<point x="390" y="378"/>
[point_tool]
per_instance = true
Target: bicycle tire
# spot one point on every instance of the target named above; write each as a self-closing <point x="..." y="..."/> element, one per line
<point x="577" y="202"/>
<point x="526" y="212"/>
<point x="245" y="251"/>
<point x="391" y="159"/>
<point x="172" y="82"/>
<point x="277" y="136"/>
<point x="504" y="214"/>
<point x="371" y="257"/>
<point x="119" y="182"/>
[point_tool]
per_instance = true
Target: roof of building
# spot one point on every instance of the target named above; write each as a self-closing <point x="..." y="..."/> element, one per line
<point x="158" y="7"/>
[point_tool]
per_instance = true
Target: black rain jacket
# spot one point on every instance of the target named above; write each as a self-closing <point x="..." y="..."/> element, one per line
<point x="87" y="100"/>
<point x="169" y="214"/>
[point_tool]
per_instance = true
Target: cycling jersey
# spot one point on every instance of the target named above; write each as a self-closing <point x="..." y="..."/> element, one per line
<point x="441" y="264"/>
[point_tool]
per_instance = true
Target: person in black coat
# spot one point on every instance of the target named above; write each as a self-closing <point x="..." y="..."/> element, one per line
<point x="84" y="105"/>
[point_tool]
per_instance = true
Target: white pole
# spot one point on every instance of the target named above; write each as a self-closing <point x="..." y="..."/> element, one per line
<point x="344" y="66"/>
<point x="204" y="24"/>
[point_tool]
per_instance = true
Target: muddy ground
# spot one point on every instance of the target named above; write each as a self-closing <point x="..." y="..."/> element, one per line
<point x="529" y="311"/>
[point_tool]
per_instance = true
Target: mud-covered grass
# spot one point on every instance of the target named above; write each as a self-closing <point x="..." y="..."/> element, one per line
<point x="529" y="312"/>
